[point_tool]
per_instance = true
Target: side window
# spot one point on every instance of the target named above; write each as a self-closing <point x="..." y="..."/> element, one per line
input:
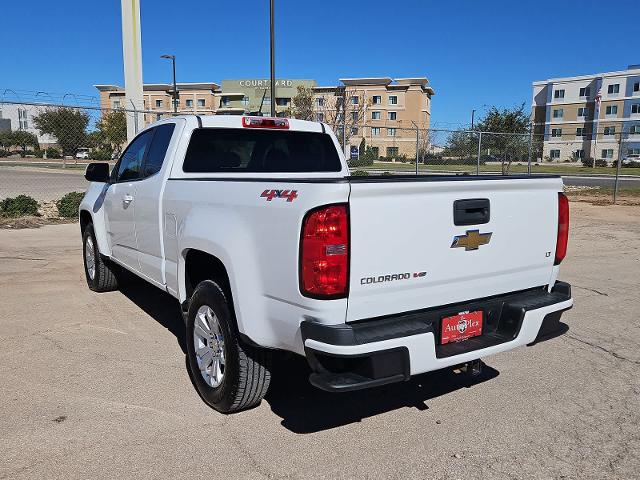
<point x="158" y="149"/>
<point x="130" y="164"/>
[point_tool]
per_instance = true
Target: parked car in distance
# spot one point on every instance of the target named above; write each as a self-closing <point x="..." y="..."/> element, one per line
<point x="82" y="153"/>
<point x="257" y="228"/>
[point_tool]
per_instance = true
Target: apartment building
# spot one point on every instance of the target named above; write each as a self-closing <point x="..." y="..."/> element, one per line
<point x="20" y="117"/>
<point x="201" y="98"/>
<point x="586" y="116"/>
<point x="384" y="111"/>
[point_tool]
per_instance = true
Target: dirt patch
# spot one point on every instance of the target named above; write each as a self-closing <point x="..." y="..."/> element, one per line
<point x="48" y="215"/>
<point x="603" y="196"/>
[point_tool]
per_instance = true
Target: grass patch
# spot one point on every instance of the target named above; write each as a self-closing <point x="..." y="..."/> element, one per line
<point x="541" y="168"/>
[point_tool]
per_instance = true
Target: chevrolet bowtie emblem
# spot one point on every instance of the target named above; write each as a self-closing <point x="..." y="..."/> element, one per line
<point x="471" y="240"/>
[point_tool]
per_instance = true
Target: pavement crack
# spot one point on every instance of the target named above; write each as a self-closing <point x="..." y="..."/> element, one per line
<point x="23" y="258"/>
<point x="592" y="290"/>
<point x="606" y="350"/>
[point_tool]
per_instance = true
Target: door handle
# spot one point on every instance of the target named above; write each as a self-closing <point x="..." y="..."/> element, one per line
<point x="473" y="211"/>
<point x="127" y="199"/>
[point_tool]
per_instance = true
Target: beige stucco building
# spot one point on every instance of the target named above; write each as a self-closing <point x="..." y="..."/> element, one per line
<point x="575" y="125"/>
<point x="383" y="111"/>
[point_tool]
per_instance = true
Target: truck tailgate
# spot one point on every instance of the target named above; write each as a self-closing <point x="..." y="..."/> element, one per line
<point x="403" y="256"/>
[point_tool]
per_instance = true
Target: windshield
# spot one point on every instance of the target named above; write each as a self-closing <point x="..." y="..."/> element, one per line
<point x="253" y="150"/>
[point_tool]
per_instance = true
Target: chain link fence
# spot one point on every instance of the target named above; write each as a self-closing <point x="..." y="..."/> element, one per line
<point x="44" y="149"/>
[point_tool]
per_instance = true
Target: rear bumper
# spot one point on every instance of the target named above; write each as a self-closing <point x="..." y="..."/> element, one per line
<point x="386" y="350"/>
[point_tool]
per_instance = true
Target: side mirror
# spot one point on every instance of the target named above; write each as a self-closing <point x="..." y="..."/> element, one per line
<point x="97" y="172"/>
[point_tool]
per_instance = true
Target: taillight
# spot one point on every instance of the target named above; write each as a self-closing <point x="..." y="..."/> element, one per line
<point x="563" y="228"/>
<point x="265" y="122"/>
<point x="324" y="252"/>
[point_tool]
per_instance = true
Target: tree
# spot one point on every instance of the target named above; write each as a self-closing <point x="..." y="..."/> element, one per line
<point x="67" y="125"/>
<point x="110" y="134"/>
<point x="505" y="133"/>
<point x="18" y="138"/>
<point x="344" y="107"/>
<point x="302" y="104"/>
<point x="24" y="140"/>
<point x="514" y="121"/>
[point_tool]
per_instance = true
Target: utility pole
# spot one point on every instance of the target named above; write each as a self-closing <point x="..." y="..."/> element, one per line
<point x="175" y="89"/>
<point x="272" y="58"/>
<point x="473" y="113"/>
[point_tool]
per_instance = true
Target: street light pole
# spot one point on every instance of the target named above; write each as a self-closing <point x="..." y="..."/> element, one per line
<point x="473" y="113"/>
<point x="175" y="89"/>
<point x="272" y="59"/>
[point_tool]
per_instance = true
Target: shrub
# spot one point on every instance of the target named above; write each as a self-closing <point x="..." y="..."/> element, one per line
<point x="19" y="206"/>
<point x="69" y="204"/>
<point x="53" y="153"/>
<point x="4" y="153"/>
<point x="359" y="173"/>
<point x="601" y="163"/>
<point x="105" y="155"/>
<point x="587" y="162"/>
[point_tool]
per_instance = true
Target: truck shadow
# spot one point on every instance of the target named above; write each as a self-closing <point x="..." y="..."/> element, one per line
<point x="306" y="409"/>
<point x="302" y="407"/>
<point x="160" y="306"/>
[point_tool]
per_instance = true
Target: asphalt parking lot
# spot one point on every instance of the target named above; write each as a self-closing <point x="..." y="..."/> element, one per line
<point x="96" y="386"/>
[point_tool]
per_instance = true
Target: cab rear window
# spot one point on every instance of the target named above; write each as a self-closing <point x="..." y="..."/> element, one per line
<point x="253" y="151"/>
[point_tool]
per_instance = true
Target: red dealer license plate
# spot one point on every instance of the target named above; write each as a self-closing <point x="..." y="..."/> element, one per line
<point x="461" y="327"/>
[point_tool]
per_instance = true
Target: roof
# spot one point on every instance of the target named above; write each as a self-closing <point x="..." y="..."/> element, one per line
<point x="619" y="73"/>
<point x="367" y="81"/>
<point x="163" y="86"/>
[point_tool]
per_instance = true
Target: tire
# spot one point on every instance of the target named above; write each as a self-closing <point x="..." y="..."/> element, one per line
<point x="100" y="276"/>
<point x="243" y="372"/>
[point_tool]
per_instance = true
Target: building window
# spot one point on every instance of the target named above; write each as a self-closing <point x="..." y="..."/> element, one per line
<point x="376" y="99"/>
<point x="634" y="129"/>
<point x="375" y="131"/>
<point x="613" y="88"/>
<point x="189" y="103"/>
<point x="320" y="102"/>
<point x="375" y="115"/>
<point x="558" y="113"/>
<point x="607" y="153"/>
<point x="579" y="154"/>
<point x="554" y="154"/>
<point x="354" y="130"/>
<point x="158" y="116"/>
<point x="635" y="108"/>
<point x="23" y="124"/>
<point x="583" y="112"/>
<point x="391" y="132"/>
<point x="611" y="110"/>
<point x="354" y="117"/>
<point x="609" y="130"/>
<point x="558" y="94"/>
<point x="320" y="117"/>
<point x="636" y="87"/>
<point x="393" y="100"/>
<point x="116" y="104"/>
<point x="245" y="101"/>
<point x="585" y="91"/>
<point x="201" y="102"/>
<point x="392" y="115"/>
<point x="633" y="151"/>
<point x="355" y="100"/>
<point x="392" y="151"/>
<point x="225" y="101"/>
<point x="556" y="132"/>
<point x="158" y="103"/>
<point x="282" y="102"/>
<point x="579" y="132"/>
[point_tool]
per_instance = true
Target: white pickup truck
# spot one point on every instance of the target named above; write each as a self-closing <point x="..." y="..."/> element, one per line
<point x="255" y="225"/>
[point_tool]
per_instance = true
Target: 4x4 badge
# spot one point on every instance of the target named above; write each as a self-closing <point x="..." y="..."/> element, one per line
<point x="471" y="240"/>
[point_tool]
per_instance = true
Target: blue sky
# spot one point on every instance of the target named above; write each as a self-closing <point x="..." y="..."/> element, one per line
<point x="474" y="53"/>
